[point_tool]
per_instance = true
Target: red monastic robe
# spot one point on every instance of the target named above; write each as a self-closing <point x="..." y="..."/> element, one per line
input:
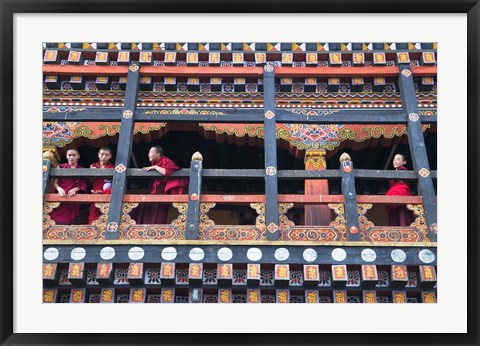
<point x="399" y="216"/>
<point x="156" y="213"/>
<point x="98" y="186"/>
<point x="66" y="213"/>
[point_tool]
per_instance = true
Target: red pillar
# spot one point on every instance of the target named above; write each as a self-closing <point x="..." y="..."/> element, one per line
<point x="316" y="214"/>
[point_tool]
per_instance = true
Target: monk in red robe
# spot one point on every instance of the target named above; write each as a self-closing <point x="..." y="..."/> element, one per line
<point x="66" y="213"/>
<point x="153" y="213"/>
<point x="399" y="215"/>
<point x="100" y="185"/>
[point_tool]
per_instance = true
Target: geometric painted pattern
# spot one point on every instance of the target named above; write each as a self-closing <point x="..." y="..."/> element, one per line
<point x="406" y="72"/>
<point x="296" y="279"/>
<point x="413" y="117"/>
<point x="325" y="278"/>
<point x="239" y="277"/>
<point x="353" y="279"/>
<point x="424" y="172"/>
<point x="152" y="276"/>
<point x="266" y="277"/>
<point x="383" y="280"/>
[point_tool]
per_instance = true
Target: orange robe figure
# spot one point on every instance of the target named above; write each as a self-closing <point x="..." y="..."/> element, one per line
<point x="156" y="213"/>
<point x="66" y="213"/>
<point x="98" y="185"/>
<point x="399" y="215"/>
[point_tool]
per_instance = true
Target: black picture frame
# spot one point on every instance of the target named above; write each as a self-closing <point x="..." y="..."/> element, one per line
<point x="10" y="7"/>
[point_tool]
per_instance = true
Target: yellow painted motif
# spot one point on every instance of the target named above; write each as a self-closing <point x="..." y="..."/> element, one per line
<point x="312" y="297"/>
<point x="340" y="297"/>
<point x="253" y="297"/>
<point x="137" y="295"/>
<point x="167" y="270"/>
<point x="48" y="296"/>
<point x="77" y="296"/>
<point x="107" y="295"/>
<point x="167" y="296"/>
<point x="369" y="297"/>
<point x="282" y="296"/>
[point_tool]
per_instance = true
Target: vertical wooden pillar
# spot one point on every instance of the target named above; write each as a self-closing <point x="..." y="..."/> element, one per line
<point x="350" y="198"/>
<point x="418" y="150"/>
<point x="270" y="140"/>
<point x="124" y="151"/>
<point x="194" y="193"/>
<point x="50" y="160"/>
<point x="316" y="214"/>
<point x="47" y="164"/>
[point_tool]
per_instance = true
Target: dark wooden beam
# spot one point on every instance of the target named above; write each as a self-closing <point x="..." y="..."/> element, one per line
<point x="350" y="200"/>
<point x="124" y="150"/>
<point x="194" y="195"/>
<point x="270" y="140"/>
<point x="245" y="173"/>
<point x="247" y="117"/>
<point x="237" y="199"/>
<point x="418" y="150"/>
<point x="240" y="251"/>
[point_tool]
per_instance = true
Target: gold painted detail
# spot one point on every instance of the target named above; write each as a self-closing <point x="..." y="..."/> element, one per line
<point x="101" y="222"/>
<point x="420" y="223"/>
<point x="283" y="222"/>
<point x="260" y="222"/>
<point x="125" y="221"/>
<point x="47" y="209"/>
<point x="181" y="221"/>
<point x="184" y="111"/>
<point x="204" y="221"/>
<point x="364" y="223"/>
<point x="315" y="159"/>
<point x="339" y="223"/>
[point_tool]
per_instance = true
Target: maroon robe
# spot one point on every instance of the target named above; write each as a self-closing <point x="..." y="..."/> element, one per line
<point x="156" y="213"/>
<point x="66" y="213"/>
<point x="98" y="186"/>
<point x="399" y="215"/>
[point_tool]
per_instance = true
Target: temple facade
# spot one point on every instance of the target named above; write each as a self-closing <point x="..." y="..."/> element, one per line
<point x="284" y="152"/>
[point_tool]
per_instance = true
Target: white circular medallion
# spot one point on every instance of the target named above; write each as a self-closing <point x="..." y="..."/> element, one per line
<point x="368" y="255"/>
<point x="281" y="254"/>
<point x="78" y="253"/>
<point x="426" y="256"/>
<point x="136" y="253"/>
<point x="398" y="255"/>
<point x="339" y="254"/>
<point x="254" y="254"/>
<point x="107" y="253"/>
<point x="50" y="254"/>
<point x="309" y="255"/>
<point x="196" y="254"/>
<point x="169" y="253"/>
<point x="225" y="254"/>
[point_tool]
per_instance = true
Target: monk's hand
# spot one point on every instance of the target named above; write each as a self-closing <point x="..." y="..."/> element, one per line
<point x="61" y="192"/>
<point x="149" y="168"/>
<point x="72" y="192"/>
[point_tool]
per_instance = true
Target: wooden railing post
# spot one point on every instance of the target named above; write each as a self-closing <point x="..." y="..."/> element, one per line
<point x="194" y="194"/>
<point x="418" y="150"/>
<point x="270" y="140"/>
<point x="350" y="198"/>
<point x="124" y="151"/>
<point x="47" y="164"/>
